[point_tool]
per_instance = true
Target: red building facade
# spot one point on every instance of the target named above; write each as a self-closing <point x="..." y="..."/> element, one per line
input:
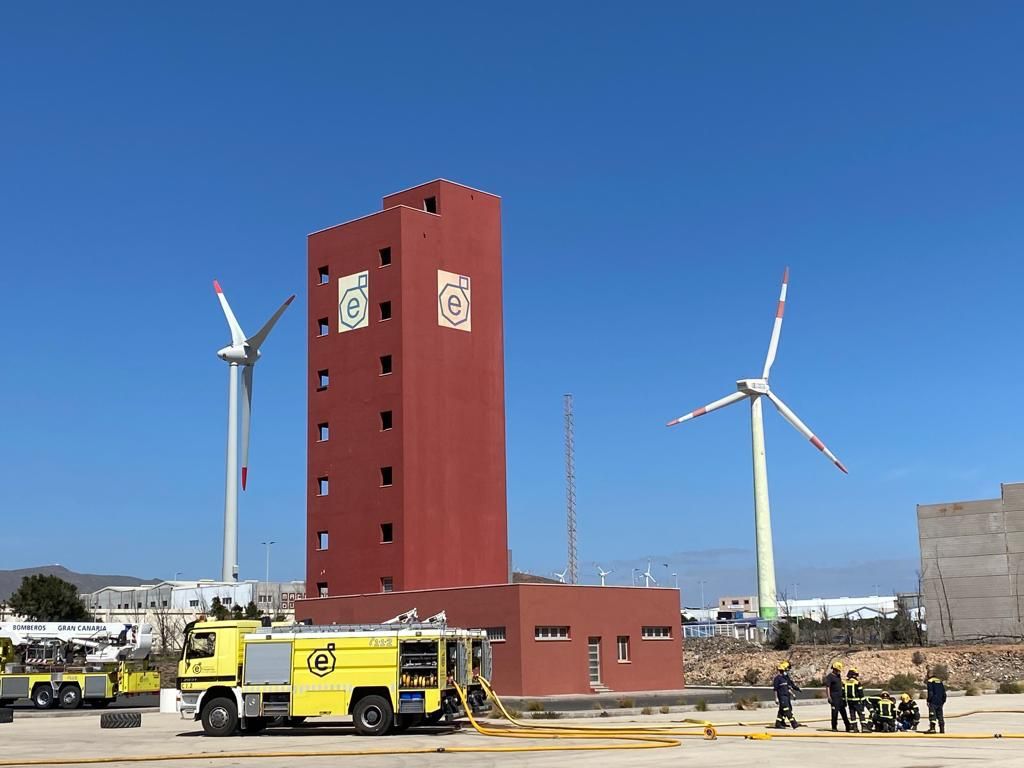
<point x="406" y="462"/>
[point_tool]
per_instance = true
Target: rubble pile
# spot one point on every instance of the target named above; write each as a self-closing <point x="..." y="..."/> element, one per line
<point x="725" y="661"/>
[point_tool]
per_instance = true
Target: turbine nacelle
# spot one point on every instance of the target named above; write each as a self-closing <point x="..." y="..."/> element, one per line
<point x="753" y="386"/>
<point x="242" y="354"/>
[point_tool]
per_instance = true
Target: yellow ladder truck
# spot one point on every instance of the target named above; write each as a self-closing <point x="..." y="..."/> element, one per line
<point x="240" y="675"/>
<point x="71" y="663"/>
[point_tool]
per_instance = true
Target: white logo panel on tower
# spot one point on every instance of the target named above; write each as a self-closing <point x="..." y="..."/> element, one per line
<point x="454" y="301"/>
<point x="353" y="301"/>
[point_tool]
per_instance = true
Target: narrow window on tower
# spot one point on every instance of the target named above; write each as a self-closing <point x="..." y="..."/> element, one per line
<point x="386" y="584"/>
<point x="385" y="365"/>
<point x="321" y="589"/>
<point x="322" y="540"/>
<point x="430" y="204"/>
<point x="386" y="476"/>
<point x="322" y="327"/>
<point x="385" y="256"/>
<point x="385" y="310"/>
<point x="321" y="486"/>
<point x="386" y="421"/>
<point x="323" y="432"/>
<point x="323" y="275"/>
<point x="322" y="379"/>
<point x="387" y="533"/>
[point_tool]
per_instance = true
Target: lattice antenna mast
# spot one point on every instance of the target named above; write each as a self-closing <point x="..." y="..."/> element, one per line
<point x="570" y="489"/>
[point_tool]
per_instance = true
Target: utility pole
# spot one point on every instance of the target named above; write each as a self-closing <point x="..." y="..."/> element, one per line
<point x="267" y="544"/>
<point x="570" y="488"/>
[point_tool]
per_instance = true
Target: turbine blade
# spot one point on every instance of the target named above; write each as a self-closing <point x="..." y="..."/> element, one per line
<point x="246" y="419"/>
<point x="261" y="335"/>
<point x="237" y="334"/>
<point x="802" y="428"/>
<point x="727" y="400"/>
<point x="773" y="345"/>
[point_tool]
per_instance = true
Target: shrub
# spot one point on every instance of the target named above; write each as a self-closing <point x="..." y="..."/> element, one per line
<point x="903" y="682"/>
<point x="940" y="671"/>
<point x="546" y="715"/>
<point x="748" y="702"/>
<point x="917" y="658"/>
<point x="535" y="706"/>
<point x="646" y="711"/>
<point x="814" y="682"/>
<point x="784" y="636"/>
<point x="664" y="710"/>
<point x="819" y="694"/>
<point x="701" y="705"/>
<point x="626" y="703"/>
<point x="972" y="690"/>
<point x="751" y="676"/>
<point x="604" y="713"/>
<point x="1010" y="687"/>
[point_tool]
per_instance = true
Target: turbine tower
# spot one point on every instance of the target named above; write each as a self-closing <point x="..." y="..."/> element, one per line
<point x="242" y="351"/>
<point x="570" y="489"/>
<point x="602" y="573"/>
<point x="648" y="576"/>
<point x="756" y="390"/>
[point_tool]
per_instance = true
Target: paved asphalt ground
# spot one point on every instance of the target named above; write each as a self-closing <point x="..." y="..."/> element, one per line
<point x="63" y="739"/>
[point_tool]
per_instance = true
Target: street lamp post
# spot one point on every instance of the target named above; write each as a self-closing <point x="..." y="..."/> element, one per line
<point x="702" y="604"/>
<point x="633" y="578"/>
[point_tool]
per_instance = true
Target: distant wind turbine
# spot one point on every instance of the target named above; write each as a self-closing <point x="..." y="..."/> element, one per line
<point x="602" y="573"/>
<point x="561" y="576"/>
<point x="648" y="576"/>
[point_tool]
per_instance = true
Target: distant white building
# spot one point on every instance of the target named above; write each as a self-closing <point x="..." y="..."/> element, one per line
<point x="169" y="605"/>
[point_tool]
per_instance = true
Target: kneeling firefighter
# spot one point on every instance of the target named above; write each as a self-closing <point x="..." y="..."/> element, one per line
<point x="908" y="713"/>
<point x="783" y="685"/>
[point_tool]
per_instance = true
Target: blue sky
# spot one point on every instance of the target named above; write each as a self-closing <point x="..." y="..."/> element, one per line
<point x="659" y="166"/>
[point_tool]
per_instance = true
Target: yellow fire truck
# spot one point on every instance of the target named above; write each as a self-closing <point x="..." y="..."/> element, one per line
<point x="240" y="675"/>
<point x="71" y="663"/>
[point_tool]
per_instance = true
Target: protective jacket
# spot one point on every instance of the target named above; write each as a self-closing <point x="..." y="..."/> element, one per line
<point x="853" y="690"/>
<point x="936" y="692"/>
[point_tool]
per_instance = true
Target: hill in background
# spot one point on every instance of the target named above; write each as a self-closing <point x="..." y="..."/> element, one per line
<point x="86" y="582"/>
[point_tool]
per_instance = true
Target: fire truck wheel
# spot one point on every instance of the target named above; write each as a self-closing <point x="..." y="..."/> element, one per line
<point x="121" y="720"/>
<point x="43" y="697"/>
<point x="220" y="717"/>
<point x="372" y="716"/>
<point x="6" y="715"/>
<point x="70" y="697"/>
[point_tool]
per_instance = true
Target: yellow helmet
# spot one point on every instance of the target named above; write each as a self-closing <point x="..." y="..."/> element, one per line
<point x="854" y="670"/>
<point x="905" y="697"/>
<point x="837" y="665"/>
<point x="781" y="667"/>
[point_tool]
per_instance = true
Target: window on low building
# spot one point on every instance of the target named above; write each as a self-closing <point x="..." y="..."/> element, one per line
<point x="656" y="633"/>
<point x="430" y="204"/>
<point x="386" y="584"/>
<point x="495" y="634"/>
<point x="623" y="646"/>
<point x="321" y="588"/>
<point x="551" y="633"/>
<point x="191" y="604"/>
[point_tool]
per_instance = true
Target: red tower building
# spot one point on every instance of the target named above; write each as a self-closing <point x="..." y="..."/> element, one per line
<point x="406" y="466"/>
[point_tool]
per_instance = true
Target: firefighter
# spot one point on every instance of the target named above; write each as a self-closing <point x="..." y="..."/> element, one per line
<point x="853" y="692"/>
<point x="886" y="713"/>
<point x="834" y="694"/>
<point x="936" y="700"/>
<point x="908" y="713"/>
<point x="783" y="685"/>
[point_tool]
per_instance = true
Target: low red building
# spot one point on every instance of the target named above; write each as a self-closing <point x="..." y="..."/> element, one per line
<point x="547" y="638"/>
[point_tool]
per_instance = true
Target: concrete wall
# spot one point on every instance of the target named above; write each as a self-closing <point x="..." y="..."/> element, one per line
<point x="972" y="555"/>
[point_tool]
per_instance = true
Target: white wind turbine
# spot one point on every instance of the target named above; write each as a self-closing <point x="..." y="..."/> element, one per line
<point x="242" y="351"/>
<point x="755" y="389"/>
<point x="561" y="576"/>
<point x="602" y="573"/>
<point x="648" y="576"/>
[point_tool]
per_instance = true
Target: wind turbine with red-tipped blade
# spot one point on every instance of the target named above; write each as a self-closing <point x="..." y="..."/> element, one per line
<point x="755" y="389"/>
<point x="242" y="351"/>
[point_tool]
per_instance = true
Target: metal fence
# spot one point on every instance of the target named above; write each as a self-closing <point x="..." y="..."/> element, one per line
<point x="739" y="630"/>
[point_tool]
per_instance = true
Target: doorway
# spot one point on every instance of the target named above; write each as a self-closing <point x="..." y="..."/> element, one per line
<point x="594" y="659"/>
